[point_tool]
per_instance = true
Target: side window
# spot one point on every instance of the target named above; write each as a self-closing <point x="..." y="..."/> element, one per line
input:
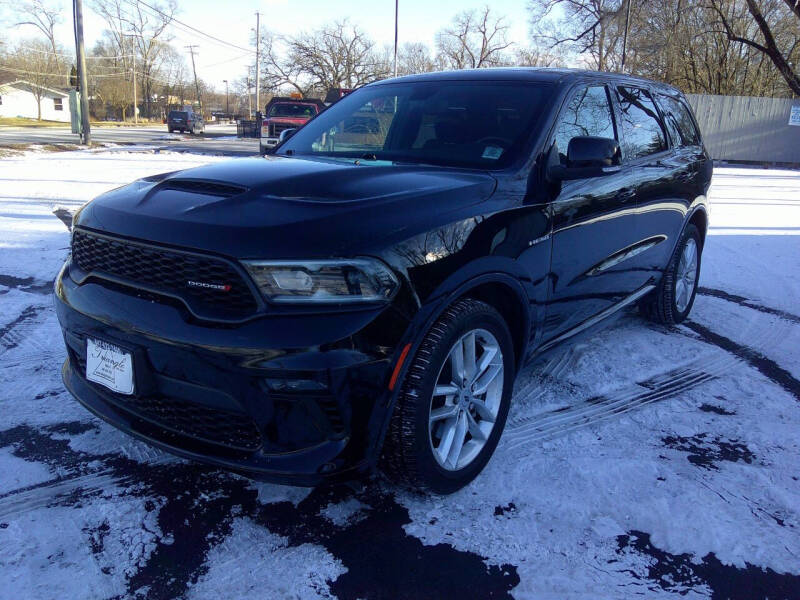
<point x="679" y="119"/>
<point x="57" y="104"/>
<point x="642" y="133"/>
<point x="588" y="114"/>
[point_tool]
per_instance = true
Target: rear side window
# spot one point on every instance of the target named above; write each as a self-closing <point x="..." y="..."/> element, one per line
<point x="588" y="114"/>
<point x="642" y="133"/>
<point x="679" y="121"/>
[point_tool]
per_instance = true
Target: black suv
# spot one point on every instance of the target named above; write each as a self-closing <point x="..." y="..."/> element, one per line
<point x="366" y="294"/>
<point x="185" y="120"/>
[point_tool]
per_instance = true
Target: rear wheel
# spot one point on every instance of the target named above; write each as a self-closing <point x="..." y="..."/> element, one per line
<point x="454" y="402"/>
<point x="672" y="301"/>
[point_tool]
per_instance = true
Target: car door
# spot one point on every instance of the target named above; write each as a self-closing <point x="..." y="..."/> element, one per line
<point x="687" y="163"/>
<point x="594" y="220"/>
<point x="655" y="169"/>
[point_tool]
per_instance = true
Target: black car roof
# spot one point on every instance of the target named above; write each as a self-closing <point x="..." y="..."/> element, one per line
<point x="541" y="74"/>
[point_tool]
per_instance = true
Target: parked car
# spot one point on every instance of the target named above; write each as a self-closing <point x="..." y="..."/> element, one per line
<point x="185" y="120"/>
<point x="286" y="113"/>
<point x="367" y="296"/>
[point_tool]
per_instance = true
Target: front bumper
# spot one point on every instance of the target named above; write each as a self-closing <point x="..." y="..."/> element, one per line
<point x="222" y="395"/>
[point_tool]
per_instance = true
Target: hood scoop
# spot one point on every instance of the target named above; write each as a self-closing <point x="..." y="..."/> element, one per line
<point x="206" y="188"/>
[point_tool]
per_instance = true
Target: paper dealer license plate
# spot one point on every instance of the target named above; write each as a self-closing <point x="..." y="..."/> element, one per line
<point x="109" y="365"/>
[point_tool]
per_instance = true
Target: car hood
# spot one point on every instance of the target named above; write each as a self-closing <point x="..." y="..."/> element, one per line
<point x="279" y="207"/>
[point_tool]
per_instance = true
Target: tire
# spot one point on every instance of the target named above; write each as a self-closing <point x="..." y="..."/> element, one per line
<point x="672" y="301"/>
<point x="412" y="445"/>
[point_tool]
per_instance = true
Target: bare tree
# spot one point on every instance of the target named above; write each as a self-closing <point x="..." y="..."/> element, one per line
<point x="277" y="72"/>
<point x="110" y="77"/>
<point x="475" y="39"/>
<point x="533" y="56"/>
<point x="336" y="55"/>
<point x="776" y="33"/>
<point x="140" y="30"/>
<point x="414" y="57"/>
<point x="588" y="27"/>
<point x="34" y="62"/>
<point x="41" y="15"/>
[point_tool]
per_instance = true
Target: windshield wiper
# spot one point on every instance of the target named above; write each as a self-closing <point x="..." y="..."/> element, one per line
<point x="369" y="156"/>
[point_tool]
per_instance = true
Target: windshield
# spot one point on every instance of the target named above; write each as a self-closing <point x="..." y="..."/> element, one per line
<point x="177" y="114"/>
<point x="481" y="124"/>
<point x="297" y="111"/>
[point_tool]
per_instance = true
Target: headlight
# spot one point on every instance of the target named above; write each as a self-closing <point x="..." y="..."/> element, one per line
<point x="323" y="281"/>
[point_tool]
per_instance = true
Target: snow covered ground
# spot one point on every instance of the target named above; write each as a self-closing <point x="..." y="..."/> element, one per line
<point x="642" y="461"/>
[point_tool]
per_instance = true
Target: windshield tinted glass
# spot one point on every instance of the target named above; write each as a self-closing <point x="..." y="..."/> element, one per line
<point x="177" y="114"/>
<point x="479" y="124"/>
<point x="299" y="111"/>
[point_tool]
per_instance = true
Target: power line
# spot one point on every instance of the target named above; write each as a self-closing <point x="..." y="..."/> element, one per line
<point x="72" y="56"/>
<point x="26" y="72"/>
<point x="222" y="62"/>
<point x="172" y="19"/>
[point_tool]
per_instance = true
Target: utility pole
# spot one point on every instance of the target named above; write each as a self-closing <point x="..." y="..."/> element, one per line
<point x="625" y="37"/>
<point x="136" y="112"/>
<point x="77" y="12"/>
<point x="227" y="110"/>
<point x="194" y="71"/>
<point x="396" y="10"/>
<point x="133" y="54"/>
<point x="258" y="55"/>
<point x="249" y="100"/>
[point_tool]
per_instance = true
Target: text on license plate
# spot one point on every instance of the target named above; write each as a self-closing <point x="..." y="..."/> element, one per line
<point x="109" y="365"/>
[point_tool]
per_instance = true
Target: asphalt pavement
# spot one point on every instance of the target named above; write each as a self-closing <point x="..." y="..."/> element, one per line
<point x="217" y="139"/>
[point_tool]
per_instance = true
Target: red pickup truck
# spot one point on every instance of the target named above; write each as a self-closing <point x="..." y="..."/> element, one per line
<point x="286" y="113"/>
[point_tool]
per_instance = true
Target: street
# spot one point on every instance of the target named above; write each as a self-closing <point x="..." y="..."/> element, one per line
<point x="217" y="139"/>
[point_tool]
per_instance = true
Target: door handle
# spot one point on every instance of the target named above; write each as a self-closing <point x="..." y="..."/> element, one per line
<point x="625" y="194"/>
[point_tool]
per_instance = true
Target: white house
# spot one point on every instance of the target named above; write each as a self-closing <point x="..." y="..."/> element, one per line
<point x="18" y="100"/>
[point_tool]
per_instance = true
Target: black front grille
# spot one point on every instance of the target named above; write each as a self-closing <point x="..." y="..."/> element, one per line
<point x="211" y="287"/>
<point x="221" y="427"/>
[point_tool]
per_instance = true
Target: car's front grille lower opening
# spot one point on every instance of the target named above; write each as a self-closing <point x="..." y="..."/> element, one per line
<point x="232" y="430"/>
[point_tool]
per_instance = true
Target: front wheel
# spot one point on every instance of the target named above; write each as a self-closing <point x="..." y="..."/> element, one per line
<point x="453" y="405"/>
<point x="672" y="301"/>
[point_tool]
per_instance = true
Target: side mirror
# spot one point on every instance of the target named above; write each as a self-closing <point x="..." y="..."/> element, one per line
<point x="286" y="134"/>
<point x="588" y="157"/>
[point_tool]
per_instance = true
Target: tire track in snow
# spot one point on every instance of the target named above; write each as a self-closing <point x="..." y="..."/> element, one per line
<point x="528" y="429"/>
<point x="747" y="303"/>
<point x="9" y="334"/>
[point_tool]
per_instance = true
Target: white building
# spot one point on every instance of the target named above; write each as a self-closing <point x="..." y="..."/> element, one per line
<point x="18" y="100"/>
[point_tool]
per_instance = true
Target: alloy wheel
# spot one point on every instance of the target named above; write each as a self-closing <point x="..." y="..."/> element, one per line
<point x="686" y="276"/>
<point x="466" y="399"/>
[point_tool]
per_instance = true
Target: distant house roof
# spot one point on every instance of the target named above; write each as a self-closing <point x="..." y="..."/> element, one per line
<point x="20" y="84"/>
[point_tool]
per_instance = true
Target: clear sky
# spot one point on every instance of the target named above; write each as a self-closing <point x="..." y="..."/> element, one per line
<point x="233" y="20"/>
